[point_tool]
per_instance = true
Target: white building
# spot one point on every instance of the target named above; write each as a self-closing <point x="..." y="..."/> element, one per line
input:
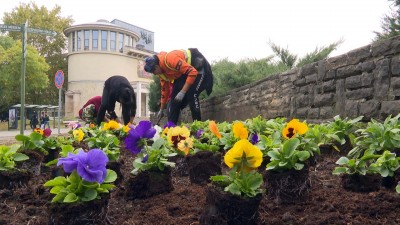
<point x="102" y="49"/>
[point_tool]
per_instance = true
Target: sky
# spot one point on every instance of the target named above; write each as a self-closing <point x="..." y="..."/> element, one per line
<point x="236" y="29"/>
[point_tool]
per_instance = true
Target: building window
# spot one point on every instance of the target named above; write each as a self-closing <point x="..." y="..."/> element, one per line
<point x="95" y="39"/>
<point x="121" y="42"/>
<point x="127" y="40"/>
<point x="73" y="41"/>
<point x="79" y="38"/>
<point x="86" y="39"/>
<point x="104" y="40"/>
<point x="113" y="39"/>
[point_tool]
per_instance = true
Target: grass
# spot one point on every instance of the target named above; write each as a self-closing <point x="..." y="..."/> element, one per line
<point x="4" y="125"/>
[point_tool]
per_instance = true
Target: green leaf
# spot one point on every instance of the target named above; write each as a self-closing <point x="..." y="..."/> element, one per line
<point x="59" y="197"/>
<point x="71" y="197"/>
<point x="20" y="157"/>
<point x="289" y="146"/>
<point x="58" y="181"/>
<point x="89" y="195"/>
<point x="342" y="161"/>
<point x="111" y="176"/>
<point x="56" y="189"/>
<point x="339" y="170"/>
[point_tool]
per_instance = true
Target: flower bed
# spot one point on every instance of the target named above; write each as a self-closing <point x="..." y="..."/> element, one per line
<point x="326" y="203"/>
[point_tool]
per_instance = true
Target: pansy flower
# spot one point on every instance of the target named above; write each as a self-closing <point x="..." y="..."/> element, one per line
<point x="137" y="136"/>
<point x="293" y="128"/>
<point x="92" y="125"/>
<point x="177" y="134"/>
<point x="244" y="150"/>
<point x="185" y="145"/>
<point x="239" y="130"/>
<point x="126" y="128"/>
<point x="199" y="133"/>
<point x="214" y="129"/>
<point x="38" y="130"/>
<point x="254" y="139"/>
<point x="78" y="134"/>
<point x="169" y="124"/>
<point x="47" y="132"/>
<point x="91" y="166"/>
<point x="114" y="125"/>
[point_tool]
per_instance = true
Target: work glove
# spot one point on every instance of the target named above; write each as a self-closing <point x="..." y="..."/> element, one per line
<point x="160" y="114"/>
<point x="179" y="97"/>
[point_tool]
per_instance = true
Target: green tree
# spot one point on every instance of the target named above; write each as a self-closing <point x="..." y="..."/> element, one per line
<point x="155" y="94"/>
<point x="291" y="60"/>
<point x="390" y="23"/>
<point x="10" y="72"/>
<point x="52" y="48"/>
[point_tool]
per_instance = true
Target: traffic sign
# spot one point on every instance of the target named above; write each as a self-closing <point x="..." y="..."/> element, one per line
<point x="59" y="79"/>
<point x="40" y="31"/>
<point x="9" y="27"/>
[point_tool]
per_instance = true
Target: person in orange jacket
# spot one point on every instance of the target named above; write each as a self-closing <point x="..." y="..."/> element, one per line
<point x="190" y="73"/>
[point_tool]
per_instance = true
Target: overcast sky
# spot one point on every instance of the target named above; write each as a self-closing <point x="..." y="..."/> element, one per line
<point x="236" y="29"/>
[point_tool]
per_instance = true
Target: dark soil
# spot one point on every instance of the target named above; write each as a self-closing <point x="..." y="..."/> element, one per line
<point x="327" y="202"/>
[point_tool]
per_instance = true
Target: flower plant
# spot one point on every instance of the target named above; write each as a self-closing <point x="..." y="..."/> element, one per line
<point x="294" y="151"/>
<point x="33" y="141"/>
<point x="377" y="137"/>
<point x="243" y="179"/>
<point x="88" y="177"/>
<point x="9" y="155"/>
<point x="149" y="157"/>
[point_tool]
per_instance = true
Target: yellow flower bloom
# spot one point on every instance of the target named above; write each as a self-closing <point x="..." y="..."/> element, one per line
<point x="126" y="128"/>
<point x="185" y="145"/>
<point x="293" y="128"/>
<point x="239" y="130"/>
<point x="165" y="131"/>
<point x="176" y="134"/>
<point x="114" y="125"/>
<point x="235" y="154"/>
<point x="38" y="130"/>
<point x="214" y="129"/>
<point x="78" y="134"/>
<point x="106" y="126"/>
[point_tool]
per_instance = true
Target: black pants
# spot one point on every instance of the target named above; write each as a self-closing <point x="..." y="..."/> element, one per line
<point x="204" y="81"/>
<point x="191" y="98"/>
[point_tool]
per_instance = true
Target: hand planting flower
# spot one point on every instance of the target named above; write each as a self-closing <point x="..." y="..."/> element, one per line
<point x="90" y="166"/>
<point x="138" y="136"/>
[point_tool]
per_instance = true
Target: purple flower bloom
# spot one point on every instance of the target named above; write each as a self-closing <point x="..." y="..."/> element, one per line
<point x="145" y="158"/>
<point x="91" y="166"/>
<point x="254" y="139"/>
<point x="169" y="124"/>
<point x="142" y="131"/>
<point x="199" y="133"/>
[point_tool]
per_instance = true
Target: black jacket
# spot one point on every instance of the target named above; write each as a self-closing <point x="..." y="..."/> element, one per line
<point x="117" y="89"/>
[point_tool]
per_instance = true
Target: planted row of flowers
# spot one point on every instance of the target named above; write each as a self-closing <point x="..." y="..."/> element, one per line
<point x="260" y="156"/>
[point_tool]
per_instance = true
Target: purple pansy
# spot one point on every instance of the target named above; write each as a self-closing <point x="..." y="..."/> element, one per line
<point x="144" y="130"/>
<point x="254" y="139"/>
<point x="199" y="133"/>
<point x="145" y="158"/>
<point x="169" y="124"/>
<point x="91" y="166"/>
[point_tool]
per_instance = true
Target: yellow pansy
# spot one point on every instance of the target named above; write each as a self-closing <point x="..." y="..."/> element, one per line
<point x="114" y="125"/>
<point x="185" y="145"/>
<point x="38" y="130"/>
<point x="293" y="128"/>
<point x="243" y="148"/>
<point x="78" y="134"/>
<point x="176" y="134"/>
<point x="126" y="128"/>
<point x="239" y="130"/>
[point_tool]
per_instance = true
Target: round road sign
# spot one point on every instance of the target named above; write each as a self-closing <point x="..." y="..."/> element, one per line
<point x="59" y="79"/>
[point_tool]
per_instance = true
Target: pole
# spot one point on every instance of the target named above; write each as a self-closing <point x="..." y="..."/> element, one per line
<point x="59" y="109"/>
<point x="23" y="70"/>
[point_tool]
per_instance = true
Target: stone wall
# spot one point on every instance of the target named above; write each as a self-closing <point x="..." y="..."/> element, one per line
<point x="364" y="81"/>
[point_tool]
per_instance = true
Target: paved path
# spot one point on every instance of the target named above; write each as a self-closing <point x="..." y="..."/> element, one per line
<point x="8" y="136"/>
